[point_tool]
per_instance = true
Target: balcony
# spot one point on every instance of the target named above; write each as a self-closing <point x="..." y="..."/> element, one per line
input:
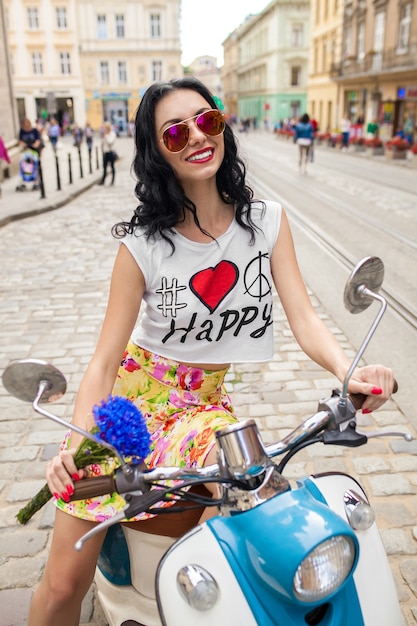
<point x="389" y="60"/>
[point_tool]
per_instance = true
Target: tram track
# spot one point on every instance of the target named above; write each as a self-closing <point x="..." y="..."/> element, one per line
<point x="339" y="254"/>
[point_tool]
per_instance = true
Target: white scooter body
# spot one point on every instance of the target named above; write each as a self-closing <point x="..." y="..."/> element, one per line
<point x="373" y="578"/>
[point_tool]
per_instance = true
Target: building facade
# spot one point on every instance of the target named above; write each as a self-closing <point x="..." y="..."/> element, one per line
<point x="325" y="55"/>
<point x="90" y="60"/>
<point x="9" y="126"/>
<point x="377" y="72"/>
<point x="230" y="80"/>
<point x="205" y="69"/>
<point x="272" y="64"/>
<point x="123" y="49"/>
<point x="44" y="59"/>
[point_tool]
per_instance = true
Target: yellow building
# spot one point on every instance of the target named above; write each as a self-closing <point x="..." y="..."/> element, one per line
<point x="364" y="63"/>
<point x="325" y="53"/>
<point x="377" y="72"/>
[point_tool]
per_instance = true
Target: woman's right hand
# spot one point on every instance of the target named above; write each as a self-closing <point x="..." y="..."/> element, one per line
<point x="61" y="473"/>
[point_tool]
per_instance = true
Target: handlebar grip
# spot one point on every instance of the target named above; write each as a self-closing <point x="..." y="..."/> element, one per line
<point x="359" y="398"/>
<point x="92" y="487"/>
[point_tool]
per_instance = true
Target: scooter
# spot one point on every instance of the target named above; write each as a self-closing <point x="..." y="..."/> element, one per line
<point x="275" y="555"/>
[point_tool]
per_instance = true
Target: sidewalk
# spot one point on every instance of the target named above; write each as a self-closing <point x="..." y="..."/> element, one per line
<point x="19" y="204"/>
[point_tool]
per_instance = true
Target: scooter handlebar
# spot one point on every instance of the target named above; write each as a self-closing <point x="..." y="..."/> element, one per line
<point x="93" y="487"/>
<point x="358" y="399"/>
<point x="102" y="485"/>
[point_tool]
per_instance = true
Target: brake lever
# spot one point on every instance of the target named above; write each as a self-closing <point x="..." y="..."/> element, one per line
<point x="134" y="504"/>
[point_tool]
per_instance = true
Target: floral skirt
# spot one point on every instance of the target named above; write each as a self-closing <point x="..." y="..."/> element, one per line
<point x="183" y="406"/>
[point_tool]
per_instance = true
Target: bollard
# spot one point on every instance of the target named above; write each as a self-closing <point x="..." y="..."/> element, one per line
<point x="90" y="166"/>
<point x="58" y="177"/>
<point x="41" y="184"/>
<point x="69" y="169"/>
<point x="97" y="162"/>
<point x="81" y="162"/>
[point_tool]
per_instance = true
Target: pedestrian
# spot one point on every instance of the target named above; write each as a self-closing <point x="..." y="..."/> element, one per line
<point x="89" y="136"/>
<point x="29" y="136"/>
<point x="78" y="135"/>
<point x="54" y="133"/>
<point x="186" y="252"/>
<point x="372" y="129"/>
<point x="303" y="137"/>
<point x="30" y="139"/>
<point x="345" y="130"/>
<point x="4" y="156"/>
<point x="316" y="128"/>
<point x="109" y="154"/>
<point x="408" y="130"/>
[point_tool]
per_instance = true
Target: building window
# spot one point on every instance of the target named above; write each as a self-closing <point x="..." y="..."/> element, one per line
<point x="104" y="72"/>
<point x="120" y="26"/>
<point x="37" y="64"/>
<point x="33" y="18"/>
<point x="404" y="30"/>
<point x="122" y="71"/>
<point x="295" y="108"/>
<point x="65" y="62"/>
<point x="379" y="31"/>
<point x="324" y="57"/>
<point x="361" y="41"/>
<point x="347" y="42"/>
<point x="295" y="76"/>
<point x="297" y="36"/>
<point x="333" y="50"/>
<point x="156" y="71"/>
<point x="155" y="26"/>
<point x="61" y="18"/>
<point x="101" y="27"/>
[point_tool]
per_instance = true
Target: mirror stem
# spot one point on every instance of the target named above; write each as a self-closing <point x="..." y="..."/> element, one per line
<point x="363" y="290"/>
<point x="43" y="386"/>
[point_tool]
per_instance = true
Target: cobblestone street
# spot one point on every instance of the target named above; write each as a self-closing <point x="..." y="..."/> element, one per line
<point x="54" y="282"/>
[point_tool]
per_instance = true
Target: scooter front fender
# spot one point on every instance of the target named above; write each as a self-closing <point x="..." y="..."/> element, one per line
<point x="253" y="557"/>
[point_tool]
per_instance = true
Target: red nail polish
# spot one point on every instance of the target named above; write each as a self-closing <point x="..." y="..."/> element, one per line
<point x="70" y="490"/>
<point x="366" y="411"/>
<point x="56" y="496"/>
<point x="75" y="477"/>
<point x="377" y="391"/>
<point x="65" y="496"/>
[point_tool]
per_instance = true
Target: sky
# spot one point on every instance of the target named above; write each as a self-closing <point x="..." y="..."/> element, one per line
<point x="206" y="23"/>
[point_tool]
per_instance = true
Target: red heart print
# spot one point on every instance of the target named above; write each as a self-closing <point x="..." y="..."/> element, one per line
<point x="213" y="284"/>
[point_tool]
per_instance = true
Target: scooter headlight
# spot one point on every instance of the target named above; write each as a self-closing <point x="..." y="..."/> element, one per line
<point x="324" y="569"/>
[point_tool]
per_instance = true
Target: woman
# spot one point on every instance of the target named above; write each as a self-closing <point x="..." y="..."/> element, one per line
<point x="303" y="136"/>
<point x="109" y="156"/>
<point x="29" y="136"/>
<point x="30" y="139"/>
<point x="184" y="254"/>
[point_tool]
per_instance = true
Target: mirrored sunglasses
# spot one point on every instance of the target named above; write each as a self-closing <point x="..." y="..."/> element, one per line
<point x="176" y="136"/>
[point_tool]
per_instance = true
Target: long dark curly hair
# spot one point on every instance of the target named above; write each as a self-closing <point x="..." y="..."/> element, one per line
<point x="163" y="202"/>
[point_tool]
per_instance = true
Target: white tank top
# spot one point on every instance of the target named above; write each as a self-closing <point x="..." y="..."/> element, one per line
<point x="211" y="302"/>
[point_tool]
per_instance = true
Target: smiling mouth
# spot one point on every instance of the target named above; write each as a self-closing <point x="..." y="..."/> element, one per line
<point x="201" y="156"/>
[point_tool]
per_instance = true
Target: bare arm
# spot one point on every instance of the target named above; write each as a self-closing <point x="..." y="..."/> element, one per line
<point x="126" y="291"/>
<point x="311" y="332"/>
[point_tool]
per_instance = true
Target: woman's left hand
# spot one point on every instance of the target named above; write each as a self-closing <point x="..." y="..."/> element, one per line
<point x="374" y="381"/>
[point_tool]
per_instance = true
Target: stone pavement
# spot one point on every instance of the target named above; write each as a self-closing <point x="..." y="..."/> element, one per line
<point x="64" y="170"/>
<point x="54" y="284"/>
